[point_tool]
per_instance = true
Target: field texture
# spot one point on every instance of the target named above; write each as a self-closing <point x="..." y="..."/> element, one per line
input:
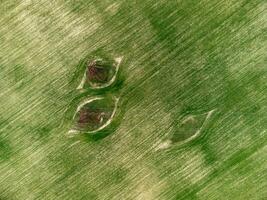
<point x="191" y="117"/>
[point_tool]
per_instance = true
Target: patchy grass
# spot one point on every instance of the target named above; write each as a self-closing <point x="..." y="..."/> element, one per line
<point x="180" y="58"/>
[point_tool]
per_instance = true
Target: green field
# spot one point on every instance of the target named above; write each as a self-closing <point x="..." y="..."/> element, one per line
<point x="190" y="69"/>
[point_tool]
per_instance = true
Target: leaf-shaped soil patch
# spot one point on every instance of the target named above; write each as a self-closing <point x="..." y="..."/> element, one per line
<point x="94" y="114"/>
<point x="191" y="126"/>
<point x="100" y="73"/>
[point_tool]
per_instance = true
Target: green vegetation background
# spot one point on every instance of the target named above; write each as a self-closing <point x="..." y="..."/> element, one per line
<point x="180" y="57"/>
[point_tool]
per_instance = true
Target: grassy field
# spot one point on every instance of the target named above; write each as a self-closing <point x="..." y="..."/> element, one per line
<point x="203" y="63"/>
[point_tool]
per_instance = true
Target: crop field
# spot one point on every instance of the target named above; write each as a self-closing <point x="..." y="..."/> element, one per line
<point x="183" y="118"/>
